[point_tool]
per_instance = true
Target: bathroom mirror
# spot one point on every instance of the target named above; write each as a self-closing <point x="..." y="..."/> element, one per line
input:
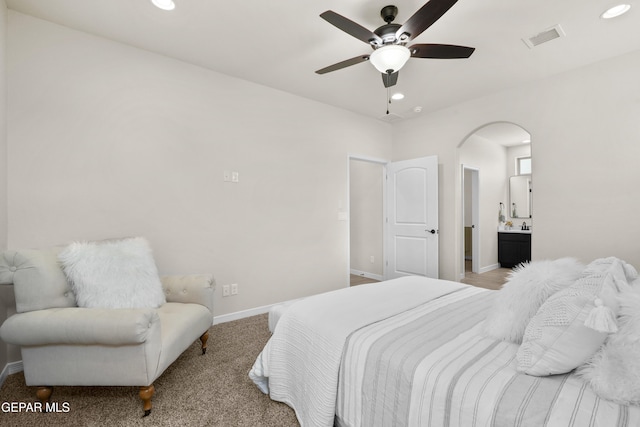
<point x="520" y="196"/>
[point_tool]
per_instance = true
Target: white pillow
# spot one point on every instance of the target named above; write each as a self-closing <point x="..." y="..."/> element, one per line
<point x="113" y="274"/>
<point x="556" y="340"/>
<point x="614" y="371"/>
<point x="528" y="287"/>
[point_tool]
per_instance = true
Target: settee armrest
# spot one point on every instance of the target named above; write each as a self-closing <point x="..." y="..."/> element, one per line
<point x="74" y="325"/>
<point x="191" y="288"/>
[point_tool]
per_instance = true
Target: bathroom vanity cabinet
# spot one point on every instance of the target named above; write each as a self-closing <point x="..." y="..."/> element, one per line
<point x="514" y="247"/>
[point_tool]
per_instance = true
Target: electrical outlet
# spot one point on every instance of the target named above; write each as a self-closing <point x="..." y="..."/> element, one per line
<point x="372" y="259"/>
<point x="234" y="289"/>
<point x="225" y="291"/>
<point x="235" y="176"/>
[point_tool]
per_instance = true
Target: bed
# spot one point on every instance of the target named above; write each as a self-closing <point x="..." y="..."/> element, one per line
<point x="414" y="352"/>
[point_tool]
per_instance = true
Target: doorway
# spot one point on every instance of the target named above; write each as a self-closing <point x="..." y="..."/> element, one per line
<point x="494" y="149"/>
<point x="471" y="219"/>
<point x="393" y="218"/>
<point x="366" y="219"/>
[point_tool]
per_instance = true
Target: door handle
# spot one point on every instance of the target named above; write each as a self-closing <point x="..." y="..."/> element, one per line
<point x="432" y="231"/>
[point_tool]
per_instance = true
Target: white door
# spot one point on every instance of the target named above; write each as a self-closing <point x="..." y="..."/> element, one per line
<point x="412" y="218"/>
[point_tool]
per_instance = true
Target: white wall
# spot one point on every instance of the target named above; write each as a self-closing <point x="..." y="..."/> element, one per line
<point x="366" y="216"/>
<point x="585" y="135"/>
<point x="8" y="353"/>
<point x="3" y="126"/>
<point x="107" y="140"/>
<point x="491" y="160"/>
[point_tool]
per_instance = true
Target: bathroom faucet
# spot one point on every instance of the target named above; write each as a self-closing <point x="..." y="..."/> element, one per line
<point x="524" y="225"/>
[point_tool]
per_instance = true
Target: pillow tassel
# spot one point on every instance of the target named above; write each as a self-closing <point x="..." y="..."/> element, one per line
<point x="601" y="318"/>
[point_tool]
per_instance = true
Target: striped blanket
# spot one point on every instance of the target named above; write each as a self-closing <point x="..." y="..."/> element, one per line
<point x="300" y="364"/>
<point x="431" y="366"/>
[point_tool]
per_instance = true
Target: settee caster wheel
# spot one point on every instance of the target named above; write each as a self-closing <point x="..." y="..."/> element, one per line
<point x="146" y="393"/>
<point x="43" y="393"/>
<point x="203" y="339"/>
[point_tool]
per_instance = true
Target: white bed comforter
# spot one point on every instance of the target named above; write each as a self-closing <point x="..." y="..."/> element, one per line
<point x="301" y="362"/>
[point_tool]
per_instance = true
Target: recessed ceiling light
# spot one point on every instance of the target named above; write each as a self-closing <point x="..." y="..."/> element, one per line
<point x="615" y="11"/>
<point x="417" y="109"/>
<point x="397" y="96"/>
<point x="164" y="4"/>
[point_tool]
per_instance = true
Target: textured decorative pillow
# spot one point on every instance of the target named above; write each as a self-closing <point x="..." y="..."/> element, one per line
<point x="528" y="287"/>
<point x="556" y="340"/>
<point x="614" y="371"/>
<point x="113" y="274"/>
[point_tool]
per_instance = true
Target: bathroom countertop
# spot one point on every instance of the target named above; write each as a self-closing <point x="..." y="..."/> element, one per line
<point x="515" y="230"/>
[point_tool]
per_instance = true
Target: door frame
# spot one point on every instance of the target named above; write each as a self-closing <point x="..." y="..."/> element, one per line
<point x="383" y="163"/>
<point x="475" y="219"/>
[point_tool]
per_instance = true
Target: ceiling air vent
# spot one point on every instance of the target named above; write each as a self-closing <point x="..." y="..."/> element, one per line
<point x="545" y="36"/>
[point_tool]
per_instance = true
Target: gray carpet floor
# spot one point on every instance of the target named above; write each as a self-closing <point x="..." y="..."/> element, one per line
<point x="196" y="390"/>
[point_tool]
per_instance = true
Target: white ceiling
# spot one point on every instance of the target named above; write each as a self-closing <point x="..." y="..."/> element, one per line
<point x="281" y="43"/>
<point x="503" y="133"/>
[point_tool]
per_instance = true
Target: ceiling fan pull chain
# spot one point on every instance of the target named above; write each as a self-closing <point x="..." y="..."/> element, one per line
<point x="389" y="100"/>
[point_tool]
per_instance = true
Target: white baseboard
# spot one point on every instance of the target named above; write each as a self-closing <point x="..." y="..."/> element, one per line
<point x="223" y="318"/>
<point x="489" y="268"/>
<point x="9" y="369"/>
<point x="482" y="270"/>
<point x="365" y="274"/>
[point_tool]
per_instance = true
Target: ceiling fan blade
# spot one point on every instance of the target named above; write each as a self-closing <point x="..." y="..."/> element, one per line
<point x="440" y="51"/>
<point x="343" y="64"/>
<point x="389" y="79"/>
<point x="350" y="27"/>
<point x="424" y="18"/>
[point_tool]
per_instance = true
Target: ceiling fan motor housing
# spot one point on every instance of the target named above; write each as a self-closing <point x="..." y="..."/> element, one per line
<point x="387" y="33"/>
<point x="389" y="13"/>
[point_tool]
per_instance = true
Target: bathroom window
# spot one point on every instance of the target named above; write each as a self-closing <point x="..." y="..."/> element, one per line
<point x="523" y="165"/>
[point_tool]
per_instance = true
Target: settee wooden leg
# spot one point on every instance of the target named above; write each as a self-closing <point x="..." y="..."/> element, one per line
<point x="203" y="339"/>
<point x="43" y="393"/>
<point x="146" y="393"/>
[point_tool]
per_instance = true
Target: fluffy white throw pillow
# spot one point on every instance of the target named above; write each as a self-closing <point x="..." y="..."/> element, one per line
<point x="528" y="287"/>
<point x="113" y="274"/>
<point x="556" y="340"/>
<point x="614" y="371"/>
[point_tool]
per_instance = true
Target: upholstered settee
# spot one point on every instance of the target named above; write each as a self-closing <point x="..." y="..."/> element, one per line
<point x="65" y="345"/>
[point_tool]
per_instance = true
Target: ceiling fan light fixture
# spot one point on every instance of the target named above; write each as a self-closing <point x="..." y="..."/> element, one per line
<point x="390" y="58"/>
<point x="615" y="11"/>
<point x="164" y="4"/>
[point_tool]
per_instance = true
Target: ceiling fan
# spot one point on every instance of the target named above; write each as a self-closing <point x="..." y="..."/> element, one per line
<point x="390" y="52"/>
